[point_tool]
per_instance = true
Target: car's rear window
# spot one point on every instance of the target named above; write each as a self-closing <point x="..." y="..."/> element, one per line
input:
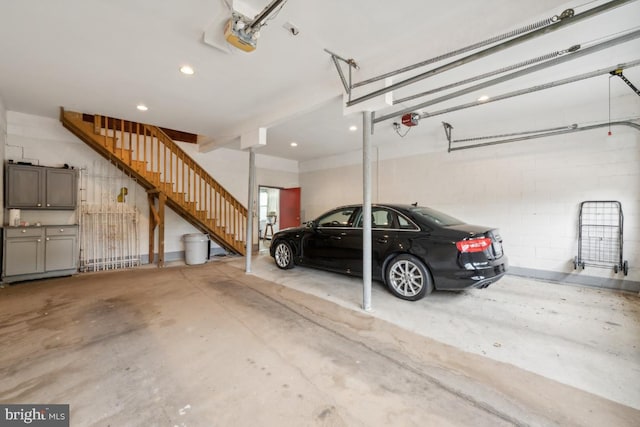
<point x="436" y="217"/>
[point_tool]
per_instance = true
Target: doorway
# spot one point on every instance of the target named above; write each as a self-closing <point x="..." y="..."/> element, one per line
<point x="278" y="208"/>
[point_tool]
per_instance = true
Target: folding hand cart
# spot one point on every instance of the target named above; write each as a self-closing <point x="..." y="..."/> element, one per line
<point x="600" y="236"/>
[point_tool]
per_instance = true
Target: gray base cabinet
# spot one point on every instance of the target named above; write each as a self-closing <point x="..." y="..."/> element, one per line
<point x="39" y="252"/>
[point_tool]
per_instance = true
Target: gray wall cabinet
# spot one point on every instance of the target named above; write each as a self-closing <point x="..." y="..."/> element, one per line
<point x="36" y="187"/>
<point x="38" y="252"/>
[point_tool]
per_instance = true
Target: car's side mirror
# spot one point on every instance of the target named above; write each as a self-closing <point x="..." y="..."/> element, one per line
<point x="312" y="225"/>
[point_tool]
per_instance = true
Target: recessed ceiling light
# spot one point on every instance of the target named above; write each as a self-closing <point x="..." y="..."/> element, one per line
<point x="142" y="107"/>
<point x="353" y="128"/>
<point x="294" y="144"/>
<point x="483" y="98"/>
<point x="186" y="69"/>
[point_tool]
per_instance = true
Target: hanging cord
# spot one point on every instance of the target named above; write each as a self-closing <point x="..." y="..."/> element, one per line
<point x="396" y="127"/>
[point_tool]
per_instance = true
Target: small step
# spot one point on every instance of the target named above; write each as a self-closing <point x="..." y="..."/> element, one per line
<point x="151" y="176"/>
<point x="188" y="205"/>
<point x="139" y="166"/>
<point x="167" y="187"/>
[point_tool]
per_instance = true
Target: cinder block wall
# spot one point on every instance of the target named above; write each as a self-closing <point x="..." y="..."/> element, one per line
<point x="531" y="190"/>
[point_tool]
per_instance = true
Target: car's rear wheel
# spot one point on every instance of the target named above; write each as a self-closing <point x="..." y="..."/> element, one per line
<point x="408" y="278"/>
<point x="283" y="255"/>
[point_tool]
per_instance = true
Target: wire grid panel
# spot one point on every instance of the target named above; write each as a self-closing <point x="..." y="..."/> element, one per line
<point x="601" y="232"/>
<point x="109" y="238"/>
<point x="108" y="220"/>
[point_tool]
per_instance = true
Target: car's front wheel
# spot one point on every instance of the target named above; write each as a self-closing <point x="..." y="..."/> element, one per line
<point x="283" y="255"/>
<point x="408" y="278"/>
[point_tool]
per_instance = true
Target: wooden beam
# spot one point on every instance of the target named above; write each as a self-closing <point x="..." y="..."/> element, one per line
<point x="128" y="126"/>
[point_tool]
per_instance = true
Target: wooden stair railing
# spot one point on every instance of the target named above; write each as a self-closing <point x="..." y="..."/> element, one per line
<point x="162" y="167"/>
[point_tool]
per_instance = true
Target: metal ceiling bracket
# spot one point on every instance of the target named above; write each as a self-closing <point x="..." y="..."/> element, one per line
<point x="351" y="63"/>
<point x="618" y="73"/>
<point x="447" y="131"/>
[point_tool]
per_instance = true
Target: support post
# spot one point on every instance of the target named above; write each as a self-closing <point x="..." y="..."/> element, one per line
<point x="251" y="208"/>
<point x="162" y="198"/>
<point x="151" y="198"/>
<point x="366" y="210"/>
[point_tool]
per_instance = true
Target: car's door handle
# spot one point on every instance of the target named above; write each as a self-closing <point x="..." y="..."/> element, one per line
<point x="336" y="237"/>
<point x="382" y="240"/>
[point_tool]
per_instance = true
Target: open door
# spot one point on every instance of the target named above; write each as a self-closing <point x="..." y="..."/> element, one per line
<point x="289" y="207"/>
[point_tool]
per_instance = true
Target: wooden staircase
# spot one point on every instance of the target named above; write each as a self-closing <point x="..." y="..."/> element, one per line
<point x="168" y="174"/>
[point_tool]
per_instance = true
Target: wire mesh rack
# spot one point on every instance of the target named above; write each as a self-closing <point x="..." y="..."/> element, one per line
<point x="600" y="236"/>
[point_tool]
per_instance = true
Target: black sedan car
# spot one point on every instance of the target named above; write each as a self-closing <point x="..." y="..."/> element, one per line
<point x="415" y="249"/>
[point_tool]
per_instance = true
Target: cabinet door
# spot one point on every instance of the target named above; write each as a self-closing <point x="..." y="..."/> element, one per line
<point x="60" y="253"/>
<point x="61" y="188"/>
<point x="24" y="186"/>
<point x="23" y="256"/>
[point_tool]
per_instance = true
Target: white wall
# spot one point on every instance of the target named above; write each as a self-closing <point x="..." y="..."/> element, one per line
<point x="531" y="190"/>
<point x="231" y="169"/>
<point x="46" y="142"/>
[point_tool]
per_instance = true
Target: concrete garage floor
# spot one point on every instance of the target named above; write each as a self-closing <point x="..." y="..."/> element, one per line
<point x="210" y="346"/>
<point x="585" y="337"/>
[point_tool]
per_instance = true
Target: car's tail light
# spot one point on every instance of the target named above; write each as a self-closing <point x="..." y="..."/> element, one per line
<point x="473" y="245"/>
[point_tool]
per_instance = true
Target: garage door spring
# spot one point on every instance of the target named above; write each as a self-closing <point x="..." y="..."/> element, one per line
<point x="490" y="73"/>
<point x="528" y="28"/>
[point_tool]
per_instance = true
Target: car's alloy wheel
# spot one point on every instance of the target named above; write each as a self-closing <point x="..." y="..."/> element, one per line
<point x="283" y="255"/>
<point x="408" y="278"/>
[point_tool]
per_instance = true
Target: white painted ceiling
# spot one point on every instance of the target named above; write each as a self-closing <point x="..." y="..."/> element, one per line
<point x="99" y="56"/>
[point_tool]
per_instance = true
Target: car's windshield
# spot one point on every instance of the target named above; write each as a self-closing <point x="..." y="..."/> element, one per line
<point x="435" y="217"/>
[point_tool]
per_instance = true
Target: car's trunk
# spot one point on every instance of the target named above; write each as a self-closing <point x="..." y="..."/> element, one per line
<point x="477" y="231"/>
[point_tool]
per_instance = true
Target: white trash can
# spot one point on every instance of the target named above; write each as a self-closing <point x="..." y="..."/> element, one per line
<point x="196" y="246"/>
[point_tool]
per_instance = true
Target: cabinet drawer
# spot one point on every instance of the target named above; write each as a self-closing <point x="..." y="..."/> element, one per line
<point x="62" y="230"/>
<point x="23" y="232"/>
